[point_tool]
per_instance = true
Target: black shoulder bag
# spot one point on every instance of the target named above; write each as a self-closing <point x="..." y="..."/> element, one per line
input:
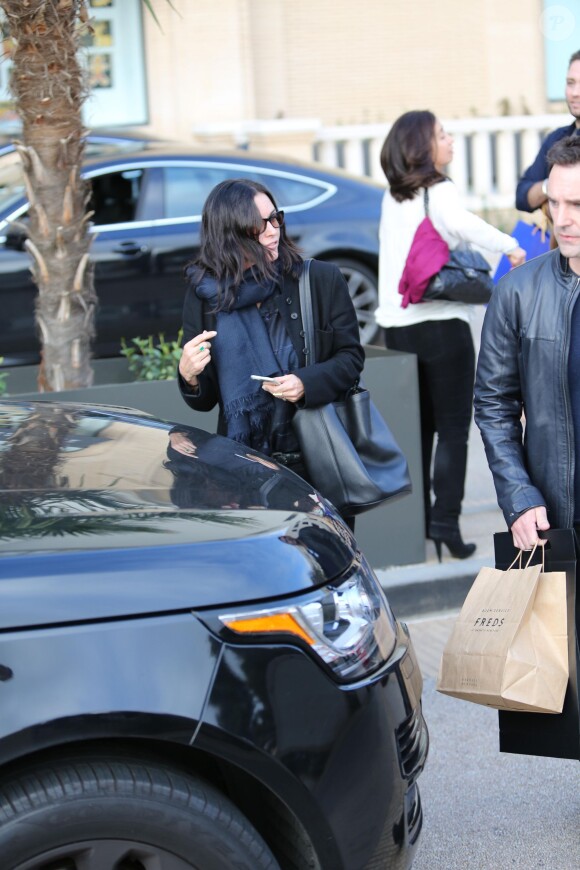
<point x="466" y="277"/>
<point x="348" y="449"/>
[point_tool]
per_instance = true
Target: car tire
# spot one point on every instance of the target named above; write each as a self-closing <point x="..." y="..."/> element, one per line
<point x="363" y="288"/>
<point x="123" y="815"/>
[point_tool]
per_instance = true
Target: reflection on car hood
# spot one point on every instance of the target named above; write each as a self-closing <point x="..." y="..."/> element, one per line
<point x="106" y="513"/>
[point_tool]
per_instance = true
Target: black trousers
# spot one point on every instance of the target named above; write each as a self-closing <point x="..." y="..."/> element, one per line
<point x="446" y="364"/>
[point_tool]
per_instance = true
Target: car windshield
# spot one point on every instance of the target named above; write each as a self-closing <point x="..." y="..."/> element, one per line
<point x="11" y="179"/>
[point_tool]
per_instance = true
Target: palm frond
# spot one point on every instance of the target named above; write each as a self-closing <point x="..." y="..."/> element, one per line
<point x="149" y="6"/>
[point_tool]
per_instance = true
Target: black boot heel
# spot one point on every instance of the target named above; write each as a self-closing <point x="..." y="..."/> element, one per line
<point x="454" y="543"/>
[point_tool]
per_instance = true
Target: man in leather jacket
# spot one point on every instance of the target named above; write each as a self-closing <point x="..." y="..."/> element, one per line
<point x="529" y="364"/>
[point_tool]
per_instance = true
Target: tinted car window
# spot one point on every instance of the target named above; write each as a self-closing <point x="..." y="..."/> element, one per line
<point x="187" y="187"/>
<point x="290" y="191"/>
<point x="115" y="196"/>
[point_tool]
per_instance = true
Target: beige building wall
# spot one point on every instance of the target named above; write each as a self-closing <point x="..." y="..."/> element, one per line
<point x="341" y="61"/>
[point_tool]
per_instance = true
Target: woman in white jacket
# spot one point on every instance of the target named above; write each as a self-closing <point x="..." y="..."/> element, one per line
<point x="414" y="156"/>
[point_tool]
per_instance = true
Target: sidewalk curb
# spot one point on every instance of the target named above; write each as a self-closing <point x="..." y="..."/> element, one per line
<point x="415" y="590"/>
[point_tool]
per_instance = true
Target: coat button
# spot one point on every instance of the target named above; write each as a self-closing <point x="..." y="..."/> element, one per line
<point x="302" y="333"/>
<point x="293" y="316"/>
<point x="288" y="300"/>
<point x="304" y="350"/>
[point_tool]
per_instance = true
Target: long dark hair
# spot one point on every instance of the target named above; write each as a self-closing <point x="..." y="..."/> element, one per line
<point x="407" y="155"/>
<point x="230" y="228"/>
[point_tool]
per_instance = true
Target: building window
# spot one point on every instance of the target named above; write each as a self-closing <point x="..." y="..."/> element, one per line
<point x="560" y="24"/>
<point x="112" y="51"/>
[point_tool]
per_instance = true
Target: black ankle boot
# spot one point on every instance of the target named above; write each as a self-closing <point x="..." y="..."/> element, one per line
<point x="452" y="539"/>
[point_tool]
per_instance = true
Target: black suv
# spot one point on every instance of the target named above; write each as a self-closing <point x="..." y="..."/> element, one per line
<point x="198" y="668"/>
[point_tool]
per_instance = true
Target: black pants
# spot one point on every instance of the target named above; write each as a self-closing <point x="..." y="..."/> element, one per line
<point x="446" y="364"/>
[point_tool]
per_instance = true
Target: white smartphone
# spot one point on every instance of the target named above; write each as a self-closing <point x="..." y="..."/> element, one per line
<point x="263" y="378"/>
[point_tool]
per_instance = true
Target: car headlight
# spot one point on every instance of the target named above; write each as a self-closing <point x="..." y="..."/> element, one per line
<point x="350" y="625"/>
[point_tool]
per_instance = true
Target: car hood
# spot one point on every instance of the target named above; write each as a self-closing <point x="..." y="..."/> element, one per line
<point x="109" y="513"/>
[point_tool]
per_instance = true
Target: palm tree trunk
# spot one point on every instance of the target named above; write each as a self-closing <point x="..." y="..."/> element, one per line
<point x="48" y="85"/>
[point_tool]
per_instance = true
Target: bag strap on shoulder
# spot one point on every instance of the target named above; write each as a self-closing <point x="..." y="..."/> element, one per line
<point x="307" y="313"/>
<point x="426" y="200"/>
<point x="308" y="322"/>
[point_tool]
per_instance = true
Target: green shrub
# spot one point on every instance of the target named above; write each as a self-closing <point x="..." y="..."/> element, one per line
<point x="3" y="378"/>
<point x="150" y="361"/>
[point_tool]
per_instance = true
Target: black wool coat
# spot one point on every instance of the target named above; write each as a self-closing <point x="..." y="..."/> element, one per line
<point x="338" y="351"/>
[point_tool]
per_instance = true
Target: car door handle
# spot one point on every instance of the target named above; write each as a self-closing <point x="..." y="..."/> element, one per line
<point x="130" y="248"/>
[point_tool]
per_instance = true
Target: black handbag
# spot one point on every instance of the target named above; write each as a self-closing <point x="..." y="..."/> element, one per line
<point x="466" y="277"/>
<point x="349" y="451"/>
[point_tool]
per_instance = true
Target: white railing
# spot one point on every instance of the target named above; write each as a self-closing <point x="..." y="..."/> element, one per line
<point x="490" y="153"/>
<point x="489" y="156"/>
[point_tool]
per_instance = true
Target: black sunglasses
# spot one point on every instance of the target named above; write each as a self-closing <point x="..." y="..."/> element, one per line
<point x="276" y="219"/>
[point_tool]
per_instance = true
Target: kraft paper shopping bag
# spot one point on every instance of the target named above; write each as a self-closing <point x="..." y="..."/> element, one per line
<point x="509" y="647"/>
<point x="556" y="736"/>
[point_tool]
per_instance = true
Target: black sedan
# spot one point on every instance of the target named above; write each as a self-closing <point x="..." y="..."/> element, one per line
<point x="147" y="202"/>
<point x="198" y="668"/>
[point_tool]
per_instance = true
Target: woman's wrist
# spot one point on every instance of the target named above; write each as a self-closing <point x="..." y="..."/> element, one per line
<point x="191" y="381"/>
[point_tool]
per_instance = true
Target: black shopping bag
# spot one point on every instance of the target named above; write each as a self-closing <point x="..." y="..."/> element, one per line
<point x="556" y="736"/>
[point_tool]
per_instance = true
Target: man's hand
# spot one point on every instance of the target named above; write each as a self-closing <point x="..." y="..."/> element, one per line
<point x="525" y="529"/>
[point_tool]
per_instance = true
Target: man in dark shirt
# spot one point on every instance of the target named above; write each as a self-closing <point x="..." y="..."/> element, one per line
<point x="531" y="192"/>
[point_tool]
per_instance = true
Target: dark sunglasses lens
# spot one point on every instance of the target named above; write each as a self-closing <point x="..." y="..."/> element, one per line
<point x="276" y="219"/>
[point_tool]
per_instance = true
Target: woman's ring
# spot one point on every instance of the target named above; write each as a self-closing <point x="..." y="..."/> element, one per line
<point x="201" y="347"/>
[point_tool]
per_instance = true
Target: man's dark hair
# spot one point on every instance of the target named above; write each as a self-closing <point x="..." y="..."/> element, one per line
<point x="407" y="155"/>
<point x="575" y="56"/>
<point x="566" y="152"/>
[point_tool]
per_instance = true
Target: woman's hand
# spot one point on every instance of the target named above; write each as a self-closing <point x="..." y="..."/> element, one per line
<point x="183" y="444"/>
<point x="195" y="356"/>
<point x="516" y="257"/>
<point x="289" y="388"/>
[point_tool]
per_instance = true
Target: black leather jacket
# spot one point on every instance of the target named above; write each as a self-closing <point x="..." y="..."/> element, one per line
<point x="523" y="366"/>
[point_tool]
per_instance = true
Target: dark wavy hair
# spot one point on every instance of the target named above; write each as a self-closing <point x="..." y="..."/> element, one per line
<point x="230" y="228"/>
<point x="407" y="155"/>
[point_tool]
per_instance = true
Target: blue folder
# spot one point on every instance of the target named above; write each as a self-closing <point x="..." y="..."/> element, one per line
<point x="531" y="238"/>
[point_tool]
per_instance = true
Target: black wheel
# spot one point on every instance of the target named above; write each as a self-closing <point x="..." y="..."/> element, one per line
<point x="363" y="287"/>
<point x="116" y="815"/>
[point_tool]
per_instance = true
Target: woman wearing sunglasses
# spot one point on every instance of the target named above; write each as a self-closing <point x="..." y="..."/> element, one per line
<point x="242" y="318"/>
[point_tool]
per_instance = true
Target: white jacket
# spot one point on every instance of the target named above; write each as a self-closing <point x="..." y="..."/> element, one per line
<point x="399" y="220"/>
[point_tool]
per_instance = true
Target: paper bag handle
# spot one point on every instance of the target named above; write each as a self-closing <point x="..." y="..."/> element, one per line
<point x="519" y="557"/>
